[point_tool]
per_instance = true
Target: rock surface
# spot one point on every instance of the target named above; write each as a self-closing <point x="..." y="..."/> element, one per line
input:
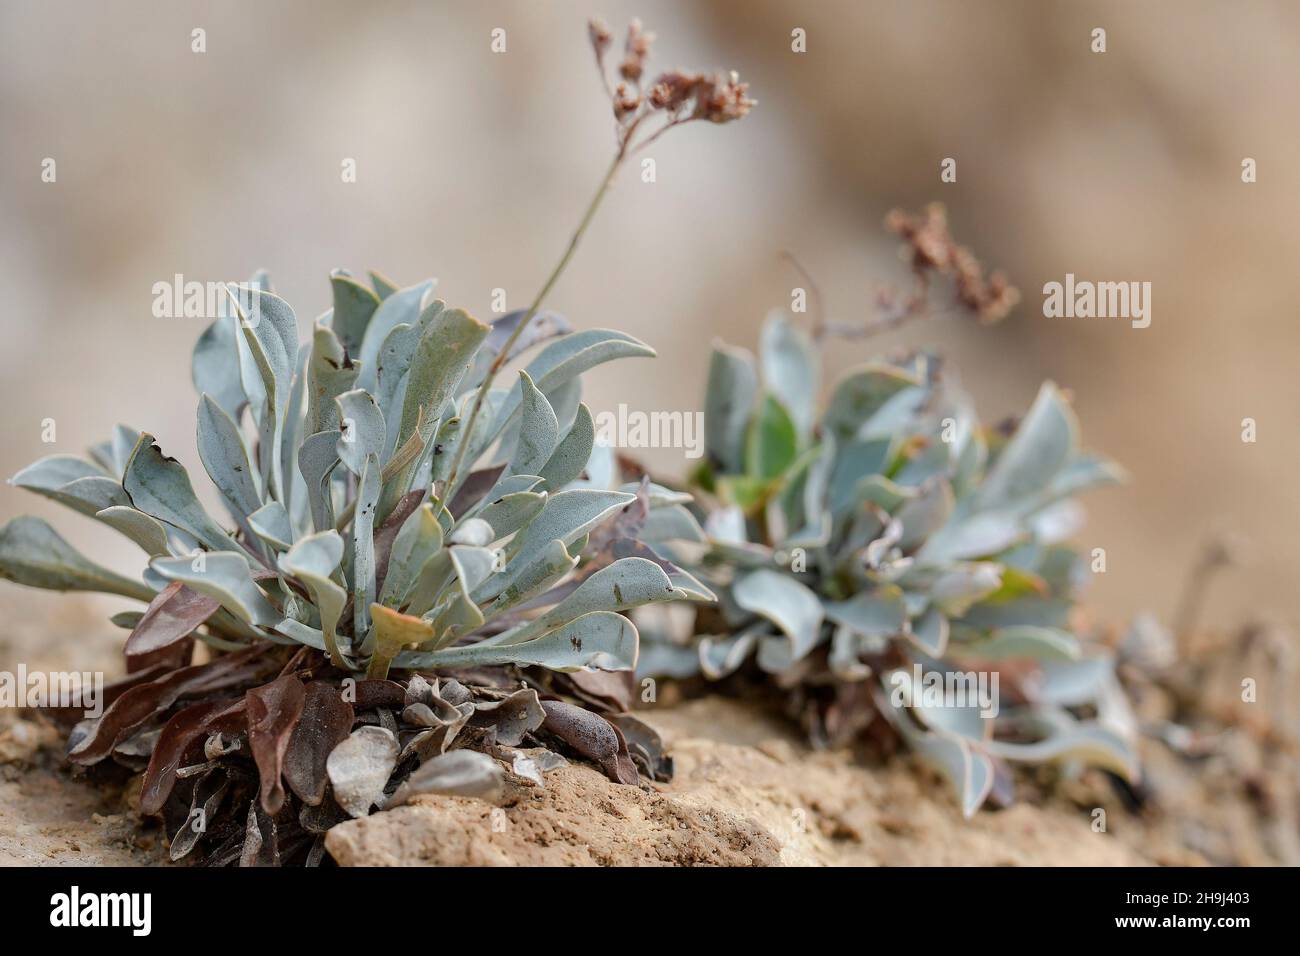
<point x="747" y="794"/>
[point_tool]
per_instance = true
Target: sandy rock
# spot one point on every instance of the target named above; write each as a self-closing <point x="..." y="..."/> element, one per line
<point x="579" y="819"/>
<point x="766" y="800"/>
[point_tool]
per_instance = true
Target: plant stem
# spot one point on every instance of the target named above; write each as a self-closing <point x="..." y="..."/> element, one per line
<point x="503" y="355"/>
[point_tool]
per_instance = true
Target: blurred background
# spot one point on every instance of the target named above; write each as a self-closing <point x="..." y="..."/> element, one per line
<point x="473" y="167"/>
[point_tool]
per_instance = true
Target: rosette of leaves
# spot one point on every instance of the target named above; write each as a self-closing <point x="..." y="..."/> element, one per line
<point x="352" y="550"/>
<point x="866" y="555"/>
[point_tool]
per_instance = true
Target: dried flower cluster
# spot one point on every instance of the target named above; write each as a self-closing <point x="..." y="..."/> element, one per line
<point x="933" y="251"/>
<point x="679" y="96"/>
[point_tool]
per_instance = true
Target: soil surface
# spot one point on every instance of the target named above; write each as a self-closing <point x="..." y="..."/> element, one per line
<point x="747" y="791"/>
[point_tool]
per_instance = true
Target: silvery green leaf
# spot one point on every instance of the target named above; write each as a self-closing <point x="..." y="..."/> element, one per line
<point x="552" y="564"/>
<point x="1084" y="742"/>
<point x="967" y="769"/>
<point x="567" y="357"/>
<point x="304" y="634"/>
<point x="384" y="286"/>
<point x="390" y="378"/>
<point x="722" y="656"/>
<point x="1042" y="612"/>
<point x="961" y="585"/>
<point x="330" y="373"/>
<point x="441" y="357"/>
<point x="728" y="403"/>
<point x="897" y="414"/>
<point x="295" y="498"/>
<point x="510" y="512"/>
<point x="457" y="613"/>
<point x="1034" y="455"/>
<point x="363" y="551"/>
<point x="360" y="766"/>
<point x="853" y="462"/>
<point x="271" y="333"/>
<point x="565" y="399"/>
<point x="845" y="655"/>
<point x="671" y="523"/>
<point x="444" y="451"/>
<point x="600" y="471"/>
<point x="657" y="495"/>
<point x="474" y="532"/>
<point x="601" y="640"/>
<point x="791" y="606"/>
<point x="159" y="486"/>
<point x="726" y="525"/>
<point x="539" y="431"/>
<point x="930" y="633"/>
<point x="879" y="613"/>
<point x="542" y="326"/>
<point x="126" y="620"/>
<point x="215" y="366"/>
<point x="1073" y="683"/>
<point x="225" y="576"/>
<point x="91" y="495"/>
<point x="400" y="308"/>
<point x="138" y="526"/>
<point x="459" y="773"/>
<point x="123" y="443"/>
<point x="979" y="535"/>
<point x="859" y="395"/>
<point x="271" y="524"/>
<point x="434" y="575"/>
<point x="694" y="588"/>
<point x="313" y="560"/>
<point x="1082" y="473"/>
<point x="317" y="458"/>
<point x="1060" y="521"/>
<point x="925" y="514"/>
<point x="362" y="425"/>
<point x="51" y="473"/>
<point x="101" y="453"/>
<point x="627" y="583"/>
<point x="790" y="368"/>
<point x="926" y="466"/>
<point x="963" y="761"/>
<point x="418" y="540"/>
<point x="485" y="430"/>
<point x="354" y="305"/>
<point x="224" y="457"/>
<point x="33" y="553"/>
<point x="1038" y="643"/>
<point x="567" y="516"/>
<point x="772" y="445"/>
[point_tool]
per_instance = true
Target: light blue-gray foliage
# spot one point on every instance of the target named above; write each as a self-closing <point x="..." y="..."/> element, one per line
<point x="333" y="462"/>
<point x="896" y="532"/>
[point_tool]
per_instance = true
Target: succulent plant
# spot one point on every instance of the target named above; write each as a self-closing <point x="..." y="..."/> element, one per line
<point x="332" y="544"/>
<point x="867" y="556"/>
<point x="350" y="551"/>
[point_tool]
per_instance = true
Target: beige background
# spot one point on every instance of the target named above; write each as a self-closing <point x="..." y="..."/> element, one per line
<point x="473" y="168"/>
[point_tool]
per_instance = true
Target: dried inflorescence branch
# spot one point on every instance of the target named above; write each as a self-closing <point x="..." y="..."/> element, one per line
<point x="678" y="96"/>
<point x="934" y="251"/>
